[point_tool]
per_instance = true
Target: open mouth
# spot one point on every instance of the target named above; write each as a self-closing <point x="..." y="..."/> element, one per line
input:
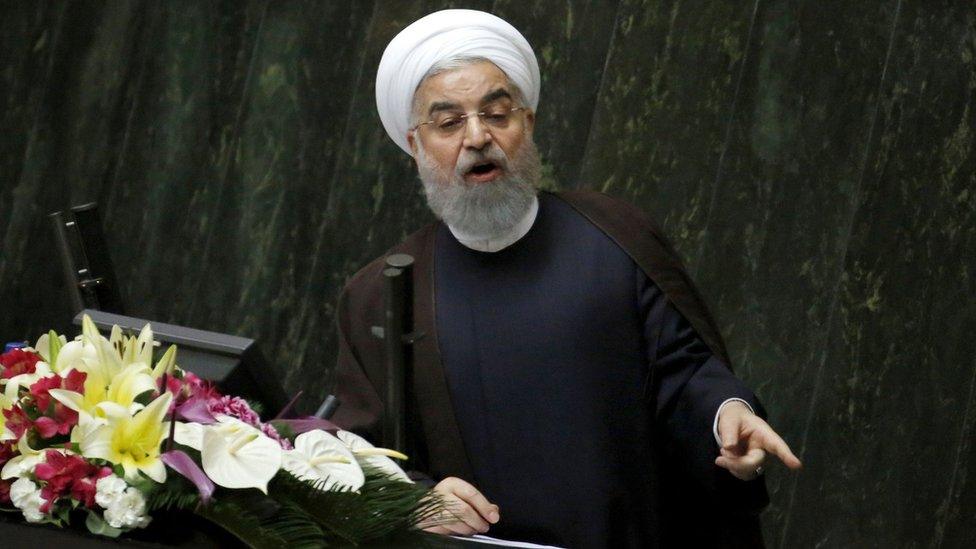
<point x="483" y="171"/>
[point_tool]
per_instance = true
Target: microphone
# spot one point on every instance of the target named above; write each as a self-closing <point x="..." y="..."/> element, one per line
<point x="328" y="407"/>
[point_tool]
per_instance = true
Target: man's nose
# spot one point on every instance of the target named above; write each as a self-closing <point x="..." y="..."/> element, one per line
<point x="476" y="134"/>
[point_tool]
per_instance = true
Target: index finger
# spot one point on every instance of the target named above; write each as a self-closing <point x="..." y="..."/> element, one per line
<point x="778" y="447"/>
<point x="470" y="495"/>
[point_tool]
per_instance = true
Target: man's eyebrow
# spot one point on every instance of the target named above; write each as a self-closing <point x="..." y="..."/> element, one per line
<point x="495" y="95"/>
<point x="443" y="106"/>
<point x="487" y="98"/>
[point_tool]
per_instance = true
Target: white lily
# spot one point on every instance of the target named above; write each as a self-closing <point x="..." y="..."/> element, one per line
<point x="5" y="404"/>
<point x="61" y="355"/>
<point x="13" y="385"/>
<point x="46" y="345"/>
<point x="235" y="454"/>
<point x="26" y="460"/>
<point x="367" y="454"/>
<point x="320" y="456"/>
<point x="74" y="354"/>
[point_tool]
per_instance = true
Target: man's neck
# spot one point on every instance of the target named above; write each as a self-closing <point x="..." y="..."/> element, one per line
<point x="497" y="242"/>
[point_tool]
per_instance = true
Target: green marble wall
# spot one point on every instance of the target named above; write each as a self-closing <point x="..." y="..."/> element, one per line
<point x="813" y="161"/>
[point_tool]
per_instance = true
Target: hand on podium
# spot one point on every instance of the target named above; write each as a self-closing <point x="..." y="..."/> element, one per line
<point x="467" y="511"/>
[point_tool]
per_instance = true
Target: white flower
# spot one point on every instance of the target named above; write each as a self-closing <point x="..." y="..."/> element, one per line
<point x="108" y="490"/>
<point x="367" y="454"/>
<point x="26" y="497"/>
<point x="127" y="511"/>
<point x="237" y="455"/>
<point x="319" y="456"/>
<point x="21" y="490"/>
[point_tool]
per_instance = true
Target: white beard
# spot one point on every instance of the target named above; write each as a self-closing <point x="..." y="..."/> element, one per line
<point x="484" y="210"/>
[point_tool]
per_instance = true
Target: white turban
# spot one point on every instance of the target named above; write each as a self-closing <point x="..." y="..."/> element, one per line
<point x="445" y="35"/>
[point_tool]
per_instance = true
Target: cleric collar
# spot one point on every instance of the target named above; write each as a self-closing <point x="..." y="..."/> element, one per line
<point x="503" y="240"/>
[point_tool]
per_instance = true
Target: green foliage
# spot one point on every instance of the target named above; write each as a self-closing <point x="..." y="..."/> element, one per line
<point x="176" y="494"/>
<point x="296" y="527"/>
<point x="238" y="519"/>
<point x="300" y="514"/>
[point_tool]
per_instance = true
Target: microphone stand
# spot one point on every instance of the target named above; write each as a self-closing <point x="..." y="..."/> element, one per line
<point x="398" y="338"/>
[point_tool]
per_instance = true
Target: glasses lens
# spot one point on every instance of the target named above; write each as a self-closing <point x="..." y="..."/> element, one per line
<point x="448" y="123"/>
<point x="494" y="117"/>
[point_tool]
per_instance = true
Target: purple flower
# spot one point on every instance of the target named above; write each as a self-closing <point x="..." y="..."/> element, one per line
<point x="235" y="407"/>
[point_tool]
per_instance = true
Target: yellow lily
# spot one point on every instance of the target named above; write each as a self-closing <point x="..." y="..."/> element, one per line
<point x="114" y="354"/>
<point x="132" y="442"/>
<point x="108" y="397"/>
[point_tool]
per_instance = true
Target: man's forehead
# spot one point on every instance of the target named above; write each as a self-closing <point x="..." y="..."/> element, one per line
<point x="474" y="83"/>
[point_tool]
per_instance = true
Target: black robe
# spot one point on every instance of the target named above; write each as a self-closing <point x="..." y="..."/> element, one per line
<point x="638" y="359"/>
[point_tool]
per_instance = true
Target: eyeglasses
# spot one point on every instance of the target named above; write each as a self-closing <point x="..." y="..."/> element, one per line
<point x="450" y="124"/>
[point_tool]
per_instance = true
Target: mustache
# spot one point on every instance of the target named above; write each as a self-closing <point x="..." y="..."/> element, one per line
<point x="468" y="159"/>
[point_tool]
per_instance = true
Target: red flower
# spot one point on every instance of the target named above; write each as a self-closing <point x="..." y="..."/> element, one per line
<point x="5" y="491"/>
<point x="40" y="389"/>
<point x="18" y="361"/>
<point x="63" y="420"/>
<point x="6" y="451"/>
<point x="57" y="419"/>
<point x="83" y="489"/>
<point x="17" y="420"/>
<point x="61" y="473"/>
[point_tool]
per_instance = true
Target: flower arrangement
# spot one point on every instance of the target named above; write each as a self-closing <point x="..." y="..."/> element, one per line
<point x="95" y="427"/>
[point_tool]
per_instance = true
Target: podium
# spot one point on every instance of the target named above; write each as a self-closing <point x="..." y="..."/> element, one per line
<point x="168" y="531"/>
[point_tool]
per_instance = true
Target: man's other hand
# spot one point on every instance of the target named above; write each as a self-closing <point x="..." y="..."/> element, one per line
<point x="745" y="440"/>
<point x="466" y="511"/>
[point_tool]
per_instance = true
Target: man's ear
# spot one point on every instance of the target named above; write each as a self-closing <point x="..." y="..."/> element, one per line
<point x="529" y="120"/>
<point x="412" y="141"/>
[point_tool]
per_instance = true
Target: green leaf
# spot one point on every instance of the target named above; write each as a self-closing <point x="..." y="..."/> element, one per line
<point x="54" y="345"/>
<point x="383" y="507"/>
<point x="239" y="520"/>
<point x="175" y="494"/>
<point x="97" y="525"/>
<point x="283" y="429"/>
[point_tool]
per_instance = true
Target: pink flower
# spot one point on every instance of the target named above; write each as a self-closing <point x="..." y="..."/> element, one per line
<point x="17" y="361"/>
<point x="272" y="433"/>
<point x="5" y="491"/>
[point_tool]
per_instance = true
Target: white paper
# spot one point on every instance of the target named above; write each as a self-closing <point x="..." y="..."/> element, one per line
<point x="504" y="543"/>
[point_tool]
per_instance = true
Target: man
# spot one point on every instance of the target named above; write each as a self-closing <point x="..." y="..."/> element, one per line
<point x="570" y="387"/>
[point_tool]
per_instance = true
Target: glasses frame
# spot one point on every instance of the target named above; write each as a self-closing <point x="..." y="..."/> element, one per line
<point x="464" y="117"/>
